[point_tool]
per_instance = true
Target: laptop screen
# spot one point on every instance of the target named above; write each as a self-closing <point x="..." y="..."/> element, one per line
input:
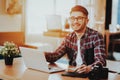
<point x="35" y="59"/>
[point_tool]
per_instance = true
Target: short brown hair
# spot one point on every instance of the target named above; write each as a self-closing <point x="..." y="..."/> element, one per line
<point x="79" y="8"/>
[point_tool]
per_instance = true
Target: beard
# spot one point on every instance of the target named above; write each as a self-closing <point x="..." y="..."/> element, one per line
<point x="77" y="27"/>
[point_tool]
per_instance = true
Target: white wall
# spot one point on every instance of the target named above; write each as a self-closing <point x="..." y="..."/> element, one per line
<point x="10" y="23"/>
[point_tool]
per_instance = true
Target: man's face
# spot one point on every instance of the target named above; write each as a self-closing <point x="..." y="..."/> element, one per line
<point x="78" y="21"/>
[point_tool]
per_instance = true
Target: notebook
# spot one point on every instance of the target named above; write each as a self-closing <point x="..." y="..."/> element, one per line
<point x="35" y="59"/>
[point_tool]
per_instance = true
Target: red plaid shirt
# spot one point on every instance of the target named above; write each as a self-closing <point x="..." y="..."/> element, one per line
<point x="92" y="49"/>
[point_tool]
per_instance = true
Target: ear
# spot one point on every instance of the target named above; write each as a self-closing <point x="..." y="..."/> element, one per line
<point x="87" y="20"/>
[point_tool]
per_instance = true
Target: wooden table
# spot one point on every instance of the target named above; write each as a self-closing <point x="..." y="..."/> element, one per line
<point x="107" y="35"/>
<point x="18" y="71"/>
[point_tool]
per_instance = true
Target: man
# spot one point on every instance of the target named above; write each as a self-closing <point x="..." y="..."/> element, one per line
<point x="84" y="47"/>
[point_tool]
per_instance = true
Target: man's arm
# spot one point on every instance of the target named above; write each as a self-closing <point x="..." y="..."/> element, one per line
<point x="57" y="54"/>
<point x="99" y="50"/>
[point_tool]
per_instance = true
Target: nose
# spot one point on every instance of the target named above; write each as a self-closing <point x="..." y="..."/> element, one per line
<point x="76" y="20"/>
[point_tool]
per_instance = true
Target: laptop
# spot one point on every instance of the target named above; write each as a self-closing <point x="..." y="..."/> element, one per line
<point x="35" y="59"/>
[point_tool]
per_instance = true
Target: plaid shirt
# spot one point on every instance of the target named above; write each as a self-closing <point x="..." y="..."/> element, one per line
<point x="92" y="49"/>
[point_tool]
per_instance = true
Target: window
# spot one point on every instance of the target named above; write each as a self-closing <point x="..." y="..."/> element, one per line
<point x="118" y="14"/>
<point x="114" y="11"/>
<point x="35" y="15"/>
<point x="89" y="4"/>
<point x="63" y="8"/>
<point x="36" y="12"/>
<point x="115" y="21"/>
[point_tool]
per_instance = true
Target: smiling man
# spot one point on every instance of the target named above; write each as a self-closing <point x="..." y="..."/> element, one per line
<point x="84" y="47"/>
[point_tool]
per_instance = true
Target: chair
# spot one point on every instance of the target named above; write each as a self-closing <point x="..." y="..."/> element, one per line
<point x="114" y="43"/>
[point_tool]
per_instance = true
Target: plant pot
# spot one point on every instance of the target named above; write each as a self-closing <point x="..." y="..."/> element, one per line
<point x="8" y="60"/>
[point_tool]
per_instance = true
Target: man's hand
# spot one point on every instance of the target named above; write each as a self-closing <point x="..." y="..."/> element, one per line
<point x="71" y="69"/>
<point x="83" y="69"/>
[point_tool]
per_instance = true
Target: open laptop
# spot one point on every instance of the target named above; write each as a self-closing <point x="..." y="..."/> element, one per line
<point x="35" y="59"/>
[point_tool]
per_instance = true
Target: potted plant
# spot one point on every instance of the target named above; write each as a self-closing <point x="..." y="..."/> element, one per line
<point x="9" y="51"/>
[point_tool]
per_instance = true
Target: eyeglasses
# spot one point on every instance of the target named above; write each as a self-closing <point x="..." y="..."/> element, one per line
<point x="79" y="18"/>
